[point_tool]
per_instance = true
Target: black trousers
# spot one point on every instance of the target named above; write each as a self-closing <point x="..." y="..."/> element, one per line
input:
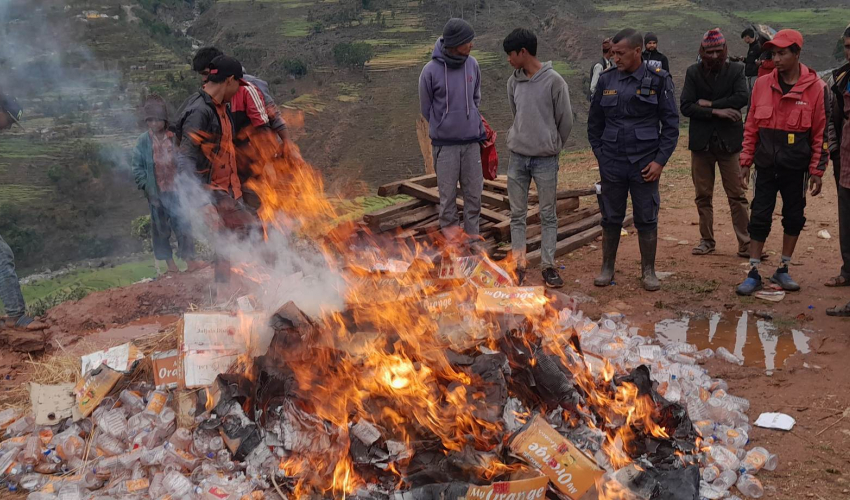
<point x="791" y="185"/>
<point x="844" y="229"/>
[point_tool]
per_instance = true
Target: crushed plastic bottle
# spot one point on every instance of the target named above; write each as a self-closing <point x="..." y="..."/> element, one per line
<point x="710" y="473"/>
<point x="177" y="485"/>
<point x="724" y="458"/>
<point x="750" y="486"/>
<point x="727" y="356"/>
<point x="759" y="458"/>
<point x="725" y="480"/>
<point x="21" y="426"/>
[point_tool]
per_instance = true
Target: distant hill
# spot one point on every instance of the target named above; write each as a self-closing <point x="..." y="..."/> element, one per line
<point x="81" y="68"/>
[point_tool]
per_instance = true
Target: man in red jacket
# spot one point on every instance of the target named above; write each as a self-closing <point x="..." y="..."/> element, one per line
<point x="786" y="138"/>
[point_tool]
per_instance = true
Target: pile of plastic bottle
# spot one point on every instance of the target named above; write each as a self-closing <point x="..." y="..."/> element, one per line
<point x="130" y="447"/>
<point x="719" y="417"/>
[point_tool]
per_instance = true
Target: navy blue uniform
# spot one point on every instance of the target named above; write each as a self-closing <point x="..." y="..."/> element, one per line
<point x="633" y="121"/>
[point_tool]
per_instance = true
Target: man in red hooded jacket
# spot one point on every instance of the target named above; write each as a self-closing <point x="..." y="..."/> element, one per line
<point x="786" y="138"/>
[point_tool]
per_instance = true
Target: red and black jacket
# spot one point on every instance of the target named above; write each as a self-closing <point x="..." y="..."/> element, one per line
<point x="788" y="131"/>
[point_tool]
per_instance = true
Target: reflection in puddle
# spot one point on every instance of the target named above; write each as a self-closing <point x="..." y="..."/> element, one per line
<point x="737" y="332"/>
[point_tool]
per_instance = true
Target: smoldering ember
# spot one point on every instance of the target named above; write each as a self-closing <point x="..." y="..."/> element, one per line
<point x="428" y="376"/>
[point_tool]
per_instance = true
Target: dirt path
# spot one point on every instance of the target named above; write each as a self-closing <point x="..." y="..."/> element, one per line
<point x="812" y="387"/>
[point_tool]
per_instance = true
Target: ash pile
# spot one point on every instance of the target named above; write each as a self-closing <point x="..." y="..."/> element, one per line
<point x="435" y="382"/>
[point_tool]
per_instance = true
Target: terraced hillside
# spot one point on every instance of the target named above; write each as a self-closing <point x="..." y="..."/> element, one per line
<point x="81" y="67"/>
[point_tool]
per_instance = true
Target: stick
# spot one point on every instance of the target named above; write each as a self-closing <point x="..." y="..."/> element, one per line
<point x="431" y="194"/>
<point x="830" y="426"/>
<point x="378" y="215"/>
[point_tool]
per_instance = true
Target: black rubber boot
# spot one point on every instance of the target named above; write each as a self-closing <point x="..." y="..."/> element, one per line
<point x="648" y="241"/>
<point x="610" y="244"/>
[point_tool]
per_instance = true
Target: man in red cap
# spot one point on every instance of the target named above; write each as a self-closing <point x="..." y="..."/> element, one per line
<point x="715" y="90"/>
<point x="786" y="138"/>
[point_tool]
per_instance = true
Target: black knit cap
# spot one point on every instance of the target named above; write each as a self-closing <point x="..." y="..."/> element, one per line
<point x="650" y="37"/>
<point x="223" y="66"/>
<point x="457" y="32"/>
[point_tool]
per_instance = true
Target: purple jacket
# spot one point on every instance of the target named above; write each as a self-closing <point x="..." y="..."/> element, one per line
<point x="449" y="100"/>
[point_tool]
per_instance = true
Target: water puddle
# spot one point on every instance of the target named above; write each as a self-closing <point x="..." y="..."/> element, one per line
<point x="755" y="340"/>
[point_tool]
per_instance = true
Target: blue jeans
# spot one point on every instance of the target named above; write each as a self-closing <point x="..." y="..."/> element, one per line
<point x="165" y="219"/>
<point x="10" y="289"/>
<point x="544" y="171"/>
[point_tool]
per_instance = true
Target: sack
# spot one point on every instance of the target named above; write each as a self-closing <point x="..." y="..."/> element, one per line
<point x="489" y="156"/>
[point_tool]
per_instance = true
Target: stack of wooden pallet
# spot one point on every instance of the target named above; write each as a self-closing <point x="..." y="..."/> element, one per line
<point x="420" y="216"/>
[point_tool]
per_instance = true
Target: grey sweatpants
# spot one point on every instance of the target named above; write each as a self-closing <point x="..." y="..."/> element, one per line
<point x="462" y="164"/>
<point x="544" y="171"/>
<point x="10" y="289"/>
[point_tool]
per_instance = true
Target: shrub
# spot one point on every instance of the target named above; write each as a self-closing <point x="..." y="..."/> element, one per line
<point x="295" y="67"/>
<point x="141" y="229"/>
<point x="353" y="55"/>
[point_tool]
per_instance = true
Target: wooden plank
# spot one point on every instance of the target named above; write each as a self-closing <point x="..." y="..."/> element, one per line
<point x="533" y="217"/>
<point x="564" y="220"/>
<point x="409" y="217"/>
<point x="425" y="144"/>
<point x="372" y="218"/>
<point x="502" y="186"/>
<point x="573" y="243"/>
<point x="566" y="231"/>
<point x="426" y="222"/>
<point x="569" y="193"/>
<point x="430" y="194"/>
<point x="428" y="180"/>
<point x="500" y="201"/>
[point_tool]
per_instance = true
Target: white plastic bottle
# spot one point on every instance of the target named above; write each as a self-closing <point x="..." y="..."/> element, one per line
<point x="726" y="480"/>
<point x="750" y="486"/>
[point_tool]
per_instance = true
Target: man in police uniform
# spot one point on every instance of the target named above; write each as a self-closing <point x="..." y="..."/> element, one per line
<point x="633" y="128"/>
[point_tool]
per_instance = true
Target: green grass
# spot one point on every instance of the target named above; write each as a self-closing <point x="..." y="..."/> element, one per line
<point x="649" y="19"/>
<point x="657" y="5"/>
<point x="309" y="103"/>
<point x="563" y="68"/>
<point x="485" y="58"/>
<point x="402" y="56"/>
<point x="22" y="148"/>
<point x="356" y="208"/>
<point x="21" y="193"/>
<point x="807" y="21"/>
<point x="44" y="294"/>
<point x="295" y="27"/>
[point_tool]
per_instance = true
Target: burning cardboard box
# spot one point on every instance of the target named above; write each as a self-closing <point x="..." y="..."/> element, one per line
<point x="571" y="471"/>
<point x="212" y="342"/>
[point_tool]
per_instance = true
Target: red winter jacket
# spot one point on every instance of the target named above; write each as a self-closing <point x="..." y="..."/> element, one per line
<point x="788" y="131"/>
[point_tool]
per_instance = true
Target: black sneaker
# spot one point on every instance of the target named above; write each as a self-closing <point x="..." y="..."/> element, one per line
<point x="520" y="275"/>
<point x="552" y="278"/>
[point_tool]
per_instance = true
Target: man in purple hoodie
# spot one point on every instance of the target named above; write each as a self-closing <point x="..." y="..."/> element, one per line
<point x="449" y="95"/>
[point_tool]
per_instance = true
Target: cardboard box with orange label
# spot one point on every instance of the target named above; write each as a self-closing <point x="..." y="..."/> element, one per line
<point x="525" y="300"/>
<point x="522" y="489"/>
<point x="570" y="470"/>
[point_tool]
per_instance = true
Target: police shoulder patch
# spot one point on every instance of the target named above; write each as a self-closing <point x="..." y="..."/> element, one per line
<point x="609" y="92"/>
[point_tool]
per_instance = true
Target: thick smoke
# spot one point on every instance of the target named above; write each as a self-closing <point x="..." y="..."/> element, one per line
<point x="276" y="270"/>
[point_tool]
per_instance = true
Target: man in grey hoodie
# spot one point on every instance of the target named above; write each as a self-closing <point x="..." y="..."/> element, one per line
<point x="543" y="118"/>
<point x="449" y="95"/>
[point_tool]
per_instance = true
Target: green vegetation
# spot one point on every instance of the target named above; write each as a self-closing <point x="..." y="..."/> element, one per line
<point x="564" y="69"/>
<point x="296" y="27"/>
<point x="295" y="67"/>
<point x="655" y="19"/>
<point x="402" y="56"/>
<point x="44" y="294"/>
<point x="807" y="21"/>
<point x="486" y="58"/>
<point x="352" y="55"/>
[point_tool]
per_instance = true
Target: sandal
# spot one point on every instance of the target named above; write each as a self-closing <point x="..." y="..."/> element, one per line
<point x="702" y="249"/>
<point x="837" y="281"/>
<point x="843" y="312"/>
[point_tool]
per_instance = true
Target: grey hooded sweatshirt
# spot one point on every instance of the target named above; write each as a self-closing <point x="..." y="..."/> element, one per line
<point x="542" y="113"/>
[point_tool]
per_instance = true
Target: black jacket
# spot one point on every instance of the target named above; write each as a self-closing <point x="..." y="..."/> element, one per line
<point x="198" y="115"/>
<point x="841" y="77"/>
<point x="753" y="54"/>
<point x="728" y="90"/>
<point x="657" y="56"/>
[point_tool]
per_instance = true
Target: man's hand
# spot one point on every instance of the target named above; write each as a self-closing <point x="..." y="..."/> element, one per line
<point x="745" y="177"/>
<point x="705" y="103"/>
<point x="652" y="172"/>
<point x="815" y="184"/>
<point x="728" y="114"/>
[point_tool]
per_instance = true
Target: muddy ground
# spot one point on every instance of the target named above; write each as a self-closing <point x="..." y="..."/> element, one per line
<point x="796" y="363"/>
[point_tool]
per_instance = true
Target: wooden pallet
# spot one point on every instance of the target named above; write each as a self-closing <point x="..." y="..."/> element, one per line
<point x="420" y="216"/>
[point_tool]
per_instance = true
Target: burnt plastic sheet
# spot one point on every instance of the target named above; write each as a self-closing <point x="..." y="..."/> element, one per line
<point x="676" y="484"/>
